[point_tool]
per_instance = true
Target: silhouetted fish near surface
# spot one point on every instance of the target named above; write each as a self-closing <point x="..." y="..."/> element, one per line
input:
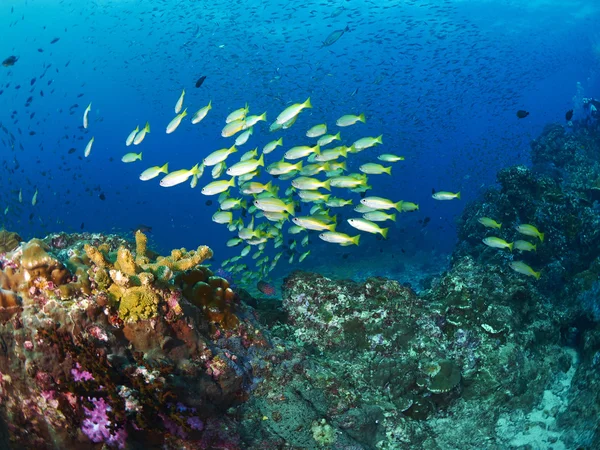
<point x="200" y="81"/>
<point x="55" y="40"/>
<point x="142" y="228"/>
<point x="569" y="115"/>
<point x="102" y="196"/>
<point x="334" y="36"/>
<point x="521" y="114"/>
<point x="10" y="61"/>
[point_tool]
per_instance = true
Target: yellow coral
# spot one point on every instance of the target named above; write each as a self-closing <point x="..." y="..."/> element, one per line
<point x="138" y="303"/>
<point x="96" y="256"/>
<point x="141" y="242"/>
<point x="125" y="262"/>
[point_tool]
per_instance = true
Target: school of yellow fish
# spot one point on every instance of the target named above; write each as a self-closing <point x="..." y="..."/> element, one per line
<point x="269" y="210"/>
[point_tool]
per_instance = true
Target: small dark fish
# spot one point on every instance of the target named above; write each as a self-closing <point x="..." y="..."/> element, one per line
<point x="142" y="228"/>
<point x="72" y="150"/>
<point x="521" y="114"/>
<point x="10" y="61"/>
<point x="32" y="133"/>
<point x="82" y="225"/>
<point x="426" y="221"/>
<point x="32" y="82"/>
<point x="55" y="40"/>
<point x="200" y="81"/>
<point x="569" y="115"/>
<point x="265" y="288"/>
<point x="345" y="255"/>
<point x="102" y="196"/>
<point x="208" y="202"/>
<point x="333" y="37"/>
<point x="41" y="50"/>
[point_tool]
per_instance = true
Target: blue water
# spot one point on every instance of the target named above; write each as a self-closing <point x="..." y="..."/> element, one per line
<point x="441" y="80"/>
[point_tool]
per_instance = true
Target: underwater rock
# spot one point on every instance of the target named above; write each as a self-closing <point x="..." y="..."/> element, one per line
<point x="8" y="241"/>
<point x="134" y="364"/>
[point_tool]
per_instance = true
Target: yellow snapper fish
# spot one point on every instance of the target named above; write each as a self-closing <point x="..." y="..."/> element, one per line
<point x="496" y="242"/>
<point x="219" y="156"/>
<point x="20" y="195"/>
<point x="524" y="246"/>
<point x="233" y="203"/>
<point x="142" y="134"/>
<point x="348" y="181"/>
<point x="312" y="223"/>
<point x="375" y="169"/>
<point x="179" y="103"/>
<point x="349" y="119"/>
<point x="232" y="128"/>
<point x="216" y="187"/>
<point x="311" y="184"/>
<point x="201" y="113"/>
<point x="88" y="148"/>
<point x="444" y="195"/>
<point x="233" y="243"/>
<point x="250" y="121"/>
<point x="282" y="168"/>
<point x="222" y="217"/>
<point x="218" y="169"/>
<point x="249" y="154"/>
<point x="272" y="146"/>
<point x="131" y="157"/>
<point x="153" y="172"/>
<point x="489" y="223"/>
<point x="312" y="196"/>
<point x="131" y="136"/>
<point x="85" y="115"/>
<point x="367" y="142"/>
<point x="301" y="151"/>
<point x="173" y="124"/>
<point x="303" y="255"/>
<point x="530" y="230"/>
<point x="379" y="216"/>
<point x="243" y="138"/>
<point x="244" y="167"/>
<point x="34" y="198"/>
<point x="255" y="187"/>
<point x="381" y="203"/>
<point x="522" y="268"/>
<point x="238" y="114"/>
<point x="274" y="205"/>
<point x="332" y="154"/>
<point x="368" y="226"/>
<point x="388" y="157"/>
<point x="317" y="130"/>
<point x="292" y="111"/>
<point x="337" y="202"/>
<point x="339" y="238"/>
<point x="313" y="169"/>
<point x="409" y="206"/>
<point x="180" y="176"/>
<point x="328" y="139"/>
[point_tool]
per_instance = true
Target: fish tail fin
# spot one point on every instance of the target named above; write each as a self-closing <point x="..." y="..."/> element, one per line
<point x="184" y="113"/>
<point x="344" y="151"/>
<point x="398" y="206"/>
<point x="280" y="141"/>
<point x="326" y="197"/>
<point x="232" y="182"/>
<point x="263" y="116"/>
<point x="139" y="156"/>
<point x="379" y="138"/>
<point x="299" y="164"/>
<point x="510" y="246"/>
<point x="362" y="118"/>
<point x="541" y="237"/>
<point x="388" y="170"/>
<point x="355" y="239"/>
<point x="393" y="217"/>
<point x="261" y="160"/>
<point x="244" y="204"/>
<point x="537" y="275"/>
<point x="307" y="103"/>
<point x="458" y="195"/>
<point x="317" y="149"/>
<point x="147" y="127"/>
<point x="384" y="232"/>
<point x="209" y="106"/>
<point x="327" y="185"/>
<point x="534" y="247"/>
<point x="331" y="227"/>
<point x="290" y="208"/>
<point x="342" y="165"/>
<point x="499" y="225"/>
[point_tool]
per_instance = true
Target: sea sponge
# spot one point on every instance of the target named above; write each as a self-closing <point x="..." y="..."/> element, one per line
<point x="96" y="256"/>
<point x="8" y="241"/>
<point x="138" y="303"/>
<point x="141" y="242"/>
<point x="125" y="262"/>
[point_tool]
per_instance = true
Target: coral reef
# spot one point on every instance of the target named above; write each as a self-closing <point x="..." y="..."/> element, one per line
<point x="102" y="346"/>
